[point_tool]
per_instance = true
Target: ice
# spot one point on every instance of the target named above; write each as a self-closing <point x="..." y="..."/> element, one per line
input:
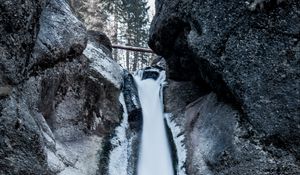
<point x="118" y="156"/>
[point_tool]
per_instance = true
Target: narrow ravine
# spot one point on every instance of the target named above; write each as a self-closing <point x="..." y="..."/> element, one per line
<point x="154" y="156"/>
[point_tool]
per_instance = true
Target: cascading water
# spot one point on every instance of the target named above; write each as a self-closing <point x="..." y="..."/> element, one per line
<point x="155" y="157"/>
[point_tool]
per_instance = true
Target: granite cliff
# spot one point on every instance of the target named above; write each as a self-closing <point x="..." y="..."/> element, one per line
<point x="234" y="88"/>
<point x="59" y="91"/>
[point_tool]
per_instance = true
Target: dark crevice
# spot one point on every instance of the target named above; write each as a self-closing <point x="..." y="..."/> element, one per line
<point x="49" y="88"/>
<point x="42" y="66"/>
<point x="104" y="155"/>
<point x="172" y="28"/>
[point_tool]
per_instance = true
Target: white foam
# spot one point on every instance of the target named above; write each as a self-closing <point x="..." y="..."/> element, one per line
<point x="155" y="156"/>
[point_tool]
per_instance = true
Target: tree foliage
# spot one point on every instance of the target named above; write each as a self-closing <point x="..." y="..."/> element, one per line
<point x="125" y="21"/>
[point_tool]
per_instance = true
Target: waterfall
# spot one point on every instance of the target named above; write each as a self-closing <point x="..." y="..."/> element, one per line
<point x="155" y="156"/>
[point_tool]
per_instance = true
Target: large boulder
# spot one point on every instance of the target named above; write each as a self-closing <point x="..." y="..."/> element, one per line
<point x="59" y="92"/>
<point x="50" y="47"/>
<point x="21" y="145"/>
<point x="248" y="54"/>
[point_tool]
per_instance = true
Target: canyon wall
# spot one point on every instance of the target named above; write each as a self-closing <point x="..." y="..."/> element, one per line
<point x="59" y="90"/>
<point x="234" y="88"/>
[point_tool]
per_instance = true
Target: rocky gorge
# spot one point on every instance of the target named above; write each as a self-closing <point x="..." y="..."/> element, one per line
<point x="232" y="97"/>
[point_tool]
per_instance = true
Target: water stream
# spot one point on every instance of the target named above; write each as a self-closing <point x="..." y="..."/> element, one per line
<point x="155" y="157"/>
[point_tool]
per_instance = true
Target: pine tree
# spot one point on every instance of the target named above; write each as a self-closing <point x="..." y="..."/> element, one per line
<point x="124" y="21"/>
<point x="135" y="17"/>
<point x="91" y="12"/>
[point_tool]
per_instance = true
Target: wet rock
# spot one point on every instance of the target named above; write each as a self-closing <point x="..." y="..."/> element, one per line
<point x="159" y="62"/>
<point x="151" y="72"/>
<point x="133" y="105"/>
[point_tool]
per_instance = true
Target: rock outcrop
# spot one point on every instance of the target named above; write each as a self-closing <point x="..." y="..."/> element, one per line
<point x="59" y="90"/>
<point x="249" y="58"/>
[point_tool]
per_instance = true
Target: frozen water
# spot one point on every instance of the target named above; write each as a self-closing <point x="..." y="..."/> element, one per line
<point x="118" y="156"/>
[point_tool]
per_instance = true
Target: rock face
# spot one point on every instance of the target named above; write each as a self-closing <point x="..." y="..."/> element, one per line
<point x="250" y="59"/>
<point x="59" y="90"/>
<point x="19" y="28"/>
<point x="50" y="48"/>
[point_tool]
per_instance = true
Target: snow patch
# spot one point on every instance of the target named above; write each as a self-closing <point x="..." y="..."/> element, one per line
<point x="49" y="139"/>
<point x="54" y="163"/>
<point x="118" y="161"/>
<point x="86" y="156"/>
<point x="97" y="121"/>
<point x="178" y="138"/>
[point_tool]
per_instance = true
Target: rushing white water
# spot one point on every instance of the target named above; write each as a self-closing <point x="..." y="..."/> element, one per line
<point x="155" y="156"/>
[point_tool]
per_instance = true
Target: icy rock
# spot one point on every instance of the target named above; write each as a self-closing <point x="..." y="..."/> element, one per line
<point x="61" y="35"/>
<point x="54" y="163"/>
<point x="103" y="65"/>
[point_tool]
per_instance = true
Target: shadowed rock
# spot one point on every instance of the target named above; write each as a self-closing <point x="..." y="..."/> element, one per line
<point x="250" y="59"/>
